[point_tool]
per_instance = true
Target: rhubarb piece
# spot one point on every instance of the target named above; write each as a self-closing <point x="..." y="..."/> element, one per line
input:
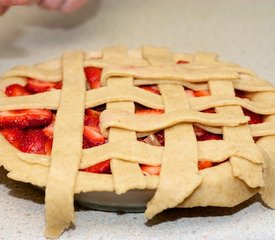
<point x="150" y="170"/>
<point x="160" y="137"/>
<point x="152" y="140"/>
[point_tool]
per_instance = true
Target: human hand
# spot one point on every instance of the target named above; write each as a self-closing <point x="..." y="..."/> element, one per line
<point x="59" y="5"/>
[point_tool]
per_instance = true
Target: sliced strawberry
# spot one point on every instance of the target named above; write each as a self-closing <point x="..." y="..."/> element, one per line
<point x="209" y="136"/>
<point x="93" y="76"/>
<point x="189" y="92"/>
<point x="37" y="86"/>
<point x="16" y="90"/>
<point x="93" y="136"/>
<point x="182" y="62"/>
<point x="13" y="135"/>
<point x="150" y="170"/>
<point x="33" y="141"/>
<point x="91" y="112"/>
<point x="86" y="144"/>
<point x="151" y="88"/>
<point x="160" y="137"/>
<point x="204" y="164"/>
<point x="25" y="118"/>
<point x="149" y="111"/>
<point x="91" y="118"/>
<point x="102" y="167"/>
<point x="209" y="110"/>
<point x="202" y="93"/>
<point x="241" y="94"/>
<point x="48" y="146"/>
<point x="255" y="118"/>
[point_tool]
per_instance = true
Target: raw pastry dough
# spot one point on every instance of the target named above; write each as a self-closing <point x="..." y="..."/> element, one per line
<point x="249" y="170"/>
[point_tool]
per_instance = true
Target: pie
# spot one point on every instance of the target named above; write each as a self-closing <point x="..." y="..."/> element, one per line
<point x="198" y="131"/>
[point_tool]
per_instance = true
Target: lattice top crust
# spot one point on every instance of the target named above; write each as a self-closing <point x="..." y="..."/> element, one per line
<point x="242" y="159"/>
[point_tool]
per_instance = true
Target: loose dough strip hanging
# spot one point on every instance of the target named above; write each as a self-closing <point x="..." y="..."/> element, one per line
<point x="178" y="168"/>
<point x="67" y="147"/>
<point x="241" y="133"/>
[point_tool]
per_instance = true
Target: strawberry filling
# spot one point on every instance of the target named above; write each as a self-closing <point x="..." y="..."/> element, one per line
<point x="102" y="167"/>
<point x="93" y="75"/>
<point x="36" y="86"/>
<point x="151" y="88"/>
<point x="31" y="130"/>
<point x="182" y="62"/>
<point x="15" y="90"/>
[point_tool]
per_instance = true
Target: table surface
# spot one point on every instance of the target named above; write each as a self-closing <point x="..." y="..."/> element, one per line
<point x="240" y="31"/>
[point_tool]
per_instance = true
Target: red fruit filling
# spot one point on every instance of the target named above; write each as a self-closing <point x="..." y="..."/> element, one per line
<point x="182" y="62"/>
<point x="192" y="93"/>
<point x="15" y="90"/>
<point x="241" y="94"/>
<point x="36" y="86"/>
<point x="202" y="93"/>
<point x="93" y="75"/>
<point x="13" y="135"/>
<point x="151" y="88"/>
<point x="149" y="111"/>
<point x="150" y="170"/>
<point x="31" y="131"/>
<point x="204" y="164"/>
<point x="102" y="167"/>
<point x="33" y="141"/>
<point x="255" y="118"/>
<point x="25" y="118"/>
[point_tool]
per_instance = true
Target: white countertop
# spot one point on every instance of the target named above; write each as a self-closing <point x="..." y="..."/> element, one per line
<point x="240" y="31"/>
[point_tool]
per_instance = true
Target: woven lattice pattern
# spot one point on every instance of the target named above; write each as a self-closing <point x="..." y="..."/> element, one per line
<point x="240" y="161"/>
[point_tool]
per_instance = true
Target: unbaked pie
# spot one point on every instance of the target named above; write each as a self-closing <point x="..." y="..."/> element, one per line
<point x="198" y="131"/>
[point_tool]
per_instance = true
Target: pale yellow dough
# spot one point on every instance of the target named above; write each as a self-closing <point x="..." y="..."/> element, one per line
<point x="245" y="167"/>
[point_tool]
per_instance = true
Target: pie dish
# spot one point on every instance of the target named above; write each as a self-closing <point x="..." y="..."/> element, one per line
<point x="188" y="128"/>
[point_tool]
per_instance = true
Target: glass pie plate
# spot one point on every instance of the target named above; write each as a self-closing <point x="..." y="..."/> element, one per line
<point x="132" y="201"/>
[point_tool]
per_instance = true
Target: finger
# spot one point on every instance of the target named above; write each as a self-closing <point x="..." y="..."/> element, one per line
<point x="3" y="9"/>
<point x="71" y="5"/>
<point x="51" y="4"/>
<point x="13" y="2"/>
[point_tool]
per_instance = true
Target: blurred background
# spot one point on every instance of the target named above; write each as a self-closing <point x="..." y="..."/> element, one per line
<point x="240" y="31"/>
